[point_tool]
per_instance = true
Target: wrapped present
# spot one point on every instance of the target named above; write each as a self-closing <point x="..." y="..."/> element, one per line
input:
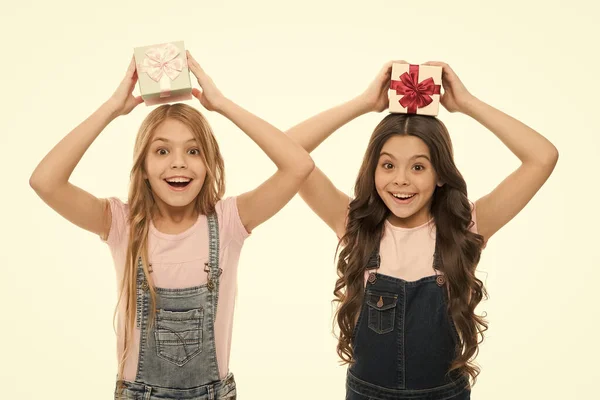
<point x="163" y="73"/>
<point x="415" y="89"/>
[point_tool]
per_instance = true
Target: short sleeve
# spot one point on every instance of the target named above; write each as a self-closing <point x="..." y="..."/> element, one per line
<point x="231" y="227"/>
<point x="118" y="224"/>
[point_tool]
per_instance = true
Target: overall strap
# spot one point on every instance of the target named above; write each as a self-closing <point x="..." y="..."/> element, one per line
<point x="214" y="272"/>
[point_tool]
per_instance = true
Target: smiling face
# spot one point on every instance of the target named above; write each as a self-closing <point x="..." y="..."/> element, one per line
<point x="406" y="180"/>
<point x="174" y="167"/>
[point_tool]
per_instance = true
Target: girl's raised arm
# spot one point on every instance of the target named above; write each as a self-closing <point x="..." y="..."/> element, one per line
<point x="538" y="156"/>
<point x="328" y="202"/>
<point x="292" y="161"/>
<point x="50" y="179"/>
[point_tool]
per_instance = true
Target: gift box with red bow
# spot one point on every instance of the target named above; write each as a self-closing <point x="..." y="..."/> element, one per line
<point x="415" y="89"/>
<point x="163" y="73"/>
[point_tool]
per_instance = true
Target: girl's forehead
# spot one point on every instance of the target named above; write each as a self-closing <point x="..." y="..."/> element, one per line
<point x="405" y="146"/>
<point x="172" y="131"/>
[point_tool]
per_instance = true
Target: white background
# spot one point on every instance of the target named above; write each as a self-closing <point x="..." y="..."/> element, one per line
<point x="286" y="61"/>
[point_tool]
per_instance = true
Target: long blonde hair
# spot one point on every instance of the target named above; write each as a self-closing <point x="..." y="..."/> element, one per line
<point x="141" y="205"/>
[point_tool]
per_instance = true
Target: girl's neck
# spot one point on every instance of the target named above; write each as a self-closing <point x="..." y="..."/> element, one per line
<point x="172" y="220"/>
<point x="414" y="221"/>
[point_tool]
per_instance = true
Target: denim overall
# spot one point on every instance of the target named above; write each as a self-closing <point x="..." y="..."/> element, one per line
<point x="404" y="341"/>
<point x="178" y="357"/>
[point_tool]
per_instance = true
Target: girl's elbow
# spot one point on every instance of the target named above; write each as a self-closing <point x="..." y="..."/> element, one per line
<point x="552" y="156"/>
<point x="555" y="154"/>
<point x="42" y="185"/>
<point x="545" y="157"/>
<point x="35" y="182"/>
<point x="302" y="168"/>
<point x="308" y="167"/>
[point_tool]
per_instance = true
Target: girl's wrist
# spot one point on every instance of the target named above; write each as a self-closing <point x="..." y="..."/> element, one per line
<point x="110" y="109"/>
<point x="470" y="105"/>
<point x="221" y="105"/>
<point x="362" y="104"/>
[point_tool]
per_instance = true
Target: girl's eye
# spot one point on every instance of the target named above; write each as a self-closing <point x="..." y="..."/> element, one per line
<point x="419" y="167"/>
<point x="194" y="152"/>
<point x="162" y="152"/>
<point x="387" y="165"/>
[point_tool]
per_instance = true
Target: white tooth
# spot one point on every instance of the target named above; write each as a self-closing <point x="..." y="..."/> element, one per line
<point x="178" y="180"/>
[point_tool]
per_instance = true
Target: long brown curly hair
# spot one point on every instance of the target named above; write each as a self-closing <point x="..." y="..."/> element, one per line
<point x="459" y="248"/>
<point x="142" y="204"/>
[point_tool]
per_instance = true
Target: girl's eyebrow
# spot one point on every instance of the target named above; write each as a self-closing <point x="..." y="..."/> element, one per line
<point x="419" y="156"/>
<point x="168" y="141"/>
<point x="385" y="153"/>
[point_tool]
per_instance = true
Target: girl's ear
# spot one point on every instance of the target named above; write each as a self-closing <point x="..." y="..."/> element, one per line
<point x="440" y="183"/>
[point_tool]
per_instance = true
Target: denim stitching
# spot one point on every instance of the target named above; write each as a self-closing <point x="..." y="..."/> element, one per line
<point x="376" y="315"/>
<point x="439" y="393"/>
<point x="143" y="334"/>
<point x="213" y="254"/>
<point x="402" y="340"/>
<point x="139" y="279"/>
<point x="223" y="387"/>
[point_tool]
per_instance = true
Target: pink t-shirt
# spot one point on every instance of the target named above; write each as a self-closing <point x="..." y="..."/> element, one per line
<point x="407" y="253"/>
<point x="178" y="262"/>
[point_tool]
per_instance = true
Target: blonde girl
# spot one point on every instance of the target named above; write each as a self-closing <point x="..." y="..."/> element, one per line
<point x="176" y="242"/>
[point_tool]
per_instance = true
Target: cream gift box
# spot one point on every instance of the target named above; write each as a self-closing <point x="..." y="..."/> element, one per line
<point x="163" y="73"/>
<point x="415" y="89"/>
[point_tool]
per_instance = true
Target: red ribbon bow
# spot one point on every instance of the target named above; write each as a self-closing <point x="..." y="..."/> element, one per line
<point x="416" y="95"/>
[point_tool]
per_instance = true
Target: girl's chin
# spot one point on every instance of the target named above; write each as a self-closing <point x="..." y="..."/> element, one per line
<point x="176" y="200"/>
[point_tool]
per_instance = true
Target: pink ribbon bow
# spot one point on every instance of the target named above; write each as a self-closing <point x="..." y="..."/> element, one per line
<point x="163" y="60"/>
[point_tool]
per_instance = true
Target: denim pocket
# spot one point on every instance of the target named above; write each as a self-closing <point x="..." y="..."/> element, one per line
<point x="178" y="335"/>
<point x="127" y="395"/>
<point x="352" y="395"/>
<point x="229" y="393"/>
<point x="382" y="311"/>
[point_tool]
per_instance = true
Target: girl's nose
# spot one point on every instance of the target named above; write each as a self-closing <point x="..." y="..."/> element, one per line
<point x="178" y="161"/>
<point x="401" y="179"/>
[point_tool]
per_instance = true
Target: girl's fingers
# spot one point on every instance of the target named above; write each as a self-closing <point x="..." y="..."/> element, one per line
<point x="188" y="55"/>
<point x="386" y="71"/>
<point x="132" y="82"/>
<point x="132" y="67"/>
<point x="436" y="63"/>
<point x="196" y="93"/>
<point x="131" y="76"/>
<point x="387" y="68"/>
<point x="449" y="70"/>
<point x="446" y="70"/>
<point x="193" y="69"/>
<point x="191" y="62"/>
<point x="193" y="65"/>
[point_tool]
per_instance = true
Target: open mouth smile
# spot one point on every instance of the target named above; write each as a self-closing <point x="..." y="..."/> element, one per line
<point x="403" y="198"/>
<point x="178" y="183"/>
